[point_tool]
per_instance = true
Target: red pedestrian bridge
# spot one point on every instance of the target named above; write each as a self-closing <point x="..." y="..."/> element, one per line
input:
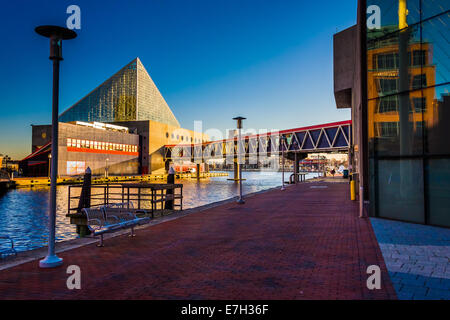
<point x="329" y="137"/>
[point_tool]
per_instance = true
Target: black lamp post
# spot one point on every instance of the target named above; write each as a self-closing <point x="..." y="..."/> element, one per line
<point x="56" y="35"/>
<point x="239" y="127"/>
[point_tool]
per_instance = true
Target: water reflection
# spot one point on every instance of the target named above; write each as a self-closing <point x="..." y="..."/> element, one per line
<point x="24" y="212"/>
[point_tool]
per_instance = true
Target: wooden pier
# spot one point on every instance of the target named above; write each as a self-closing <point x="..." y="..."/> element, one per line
<point x="6" y="185"/>
<point x="5" y="182"/>
<point x="45" y="181"/>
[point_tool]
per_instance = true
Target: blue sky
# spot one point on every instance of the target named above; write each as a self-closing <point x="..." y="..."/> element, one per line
<point x="270" y="61"/>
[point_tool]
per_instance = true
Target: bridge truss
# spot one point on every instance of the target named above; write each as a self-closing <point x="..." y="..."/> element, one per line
<point x="330" y="137"/>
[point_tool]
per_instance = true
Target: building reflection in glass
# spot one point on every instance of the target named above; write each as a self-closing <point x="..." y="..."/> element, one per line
<point x="409" y="112"/>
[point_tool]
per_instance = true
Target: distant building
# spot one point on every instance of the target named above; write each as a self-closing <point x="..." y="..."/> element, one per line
<point x="119" y="128"/>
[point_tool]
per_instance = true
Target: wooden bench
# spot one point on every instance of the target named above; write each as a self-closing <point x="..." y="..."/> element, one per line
<point x="111" y="218"/>
<point x="9" y="250"/>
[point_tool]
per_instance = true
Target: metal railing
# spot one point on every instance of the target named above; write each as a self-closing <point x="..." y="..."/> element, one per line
<point x="301" y="177"/>
<point x="145" y="196"/>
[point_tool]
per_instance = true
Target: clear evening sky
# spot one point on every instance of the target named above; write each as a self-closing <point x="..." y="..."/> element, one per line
<point x="270" y="61"/>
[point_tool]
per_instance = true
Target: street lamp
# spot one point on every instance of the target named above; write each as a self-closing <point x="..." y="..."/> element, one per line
<point x="239" y="127"/>
<point x="56" y="35"/>
<point x="282" y="140"/>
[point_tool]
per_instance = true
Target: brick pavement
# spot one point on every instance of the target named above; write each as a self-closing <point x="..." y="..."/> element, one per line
<point x="417" y="258"/>
<point x="301" y="243"/>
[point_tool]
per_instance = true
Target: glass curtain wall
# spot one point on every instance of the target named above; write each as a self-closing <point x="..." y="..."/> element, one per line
<point x="408" y="61"/>
<point x="113" y="100"/>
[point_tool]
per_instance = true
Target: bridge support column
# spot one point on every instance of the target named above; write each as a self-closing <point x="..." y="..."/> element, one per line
<point x="296" y="167"/>
<point x="236" y="169"/>
<point x="166" y="165"/>
<point x="198" y="171"/>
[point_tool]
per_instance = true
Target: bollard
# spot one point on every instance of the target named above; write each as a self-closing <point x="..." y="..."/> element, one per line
<point x="170" y="180"/>
<point x="85" y="197"/>
<point x="352" y="190"/>
<point x="83" y="231"/>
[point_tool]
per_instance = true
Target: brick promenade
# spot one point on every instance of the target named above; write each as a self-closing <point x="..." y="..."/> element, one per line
<point x="303" y="243"/>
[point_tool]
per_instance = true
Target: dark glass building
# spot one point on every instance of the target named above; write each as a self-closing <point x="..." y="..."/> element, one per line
<point x="398" y="89"/>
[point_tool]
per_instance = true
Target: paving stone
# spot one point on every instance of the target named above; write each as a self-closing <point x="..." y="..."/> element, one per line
<point x="414" y="282"/>
<point x="426" y="268"/>
<point x="439" y="294"/>
<point x="439" y="259"/>
<point x="405" y="295"/>
<point x="437" y="283"/>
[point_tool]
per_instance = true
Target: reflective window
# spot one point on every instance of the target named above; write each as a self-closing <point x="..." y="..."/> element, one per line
<point x="436" y="41"/>
<point x="419" y="81"/>
<point x="389" y="11"/>
<point x="400" y="190"/>
<point x="438" y="184"/>
<point x="75" y="167"/>
<point x="431" y="8"/>
<point x="388" y="104"/>
<point x="408" y="105"/>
